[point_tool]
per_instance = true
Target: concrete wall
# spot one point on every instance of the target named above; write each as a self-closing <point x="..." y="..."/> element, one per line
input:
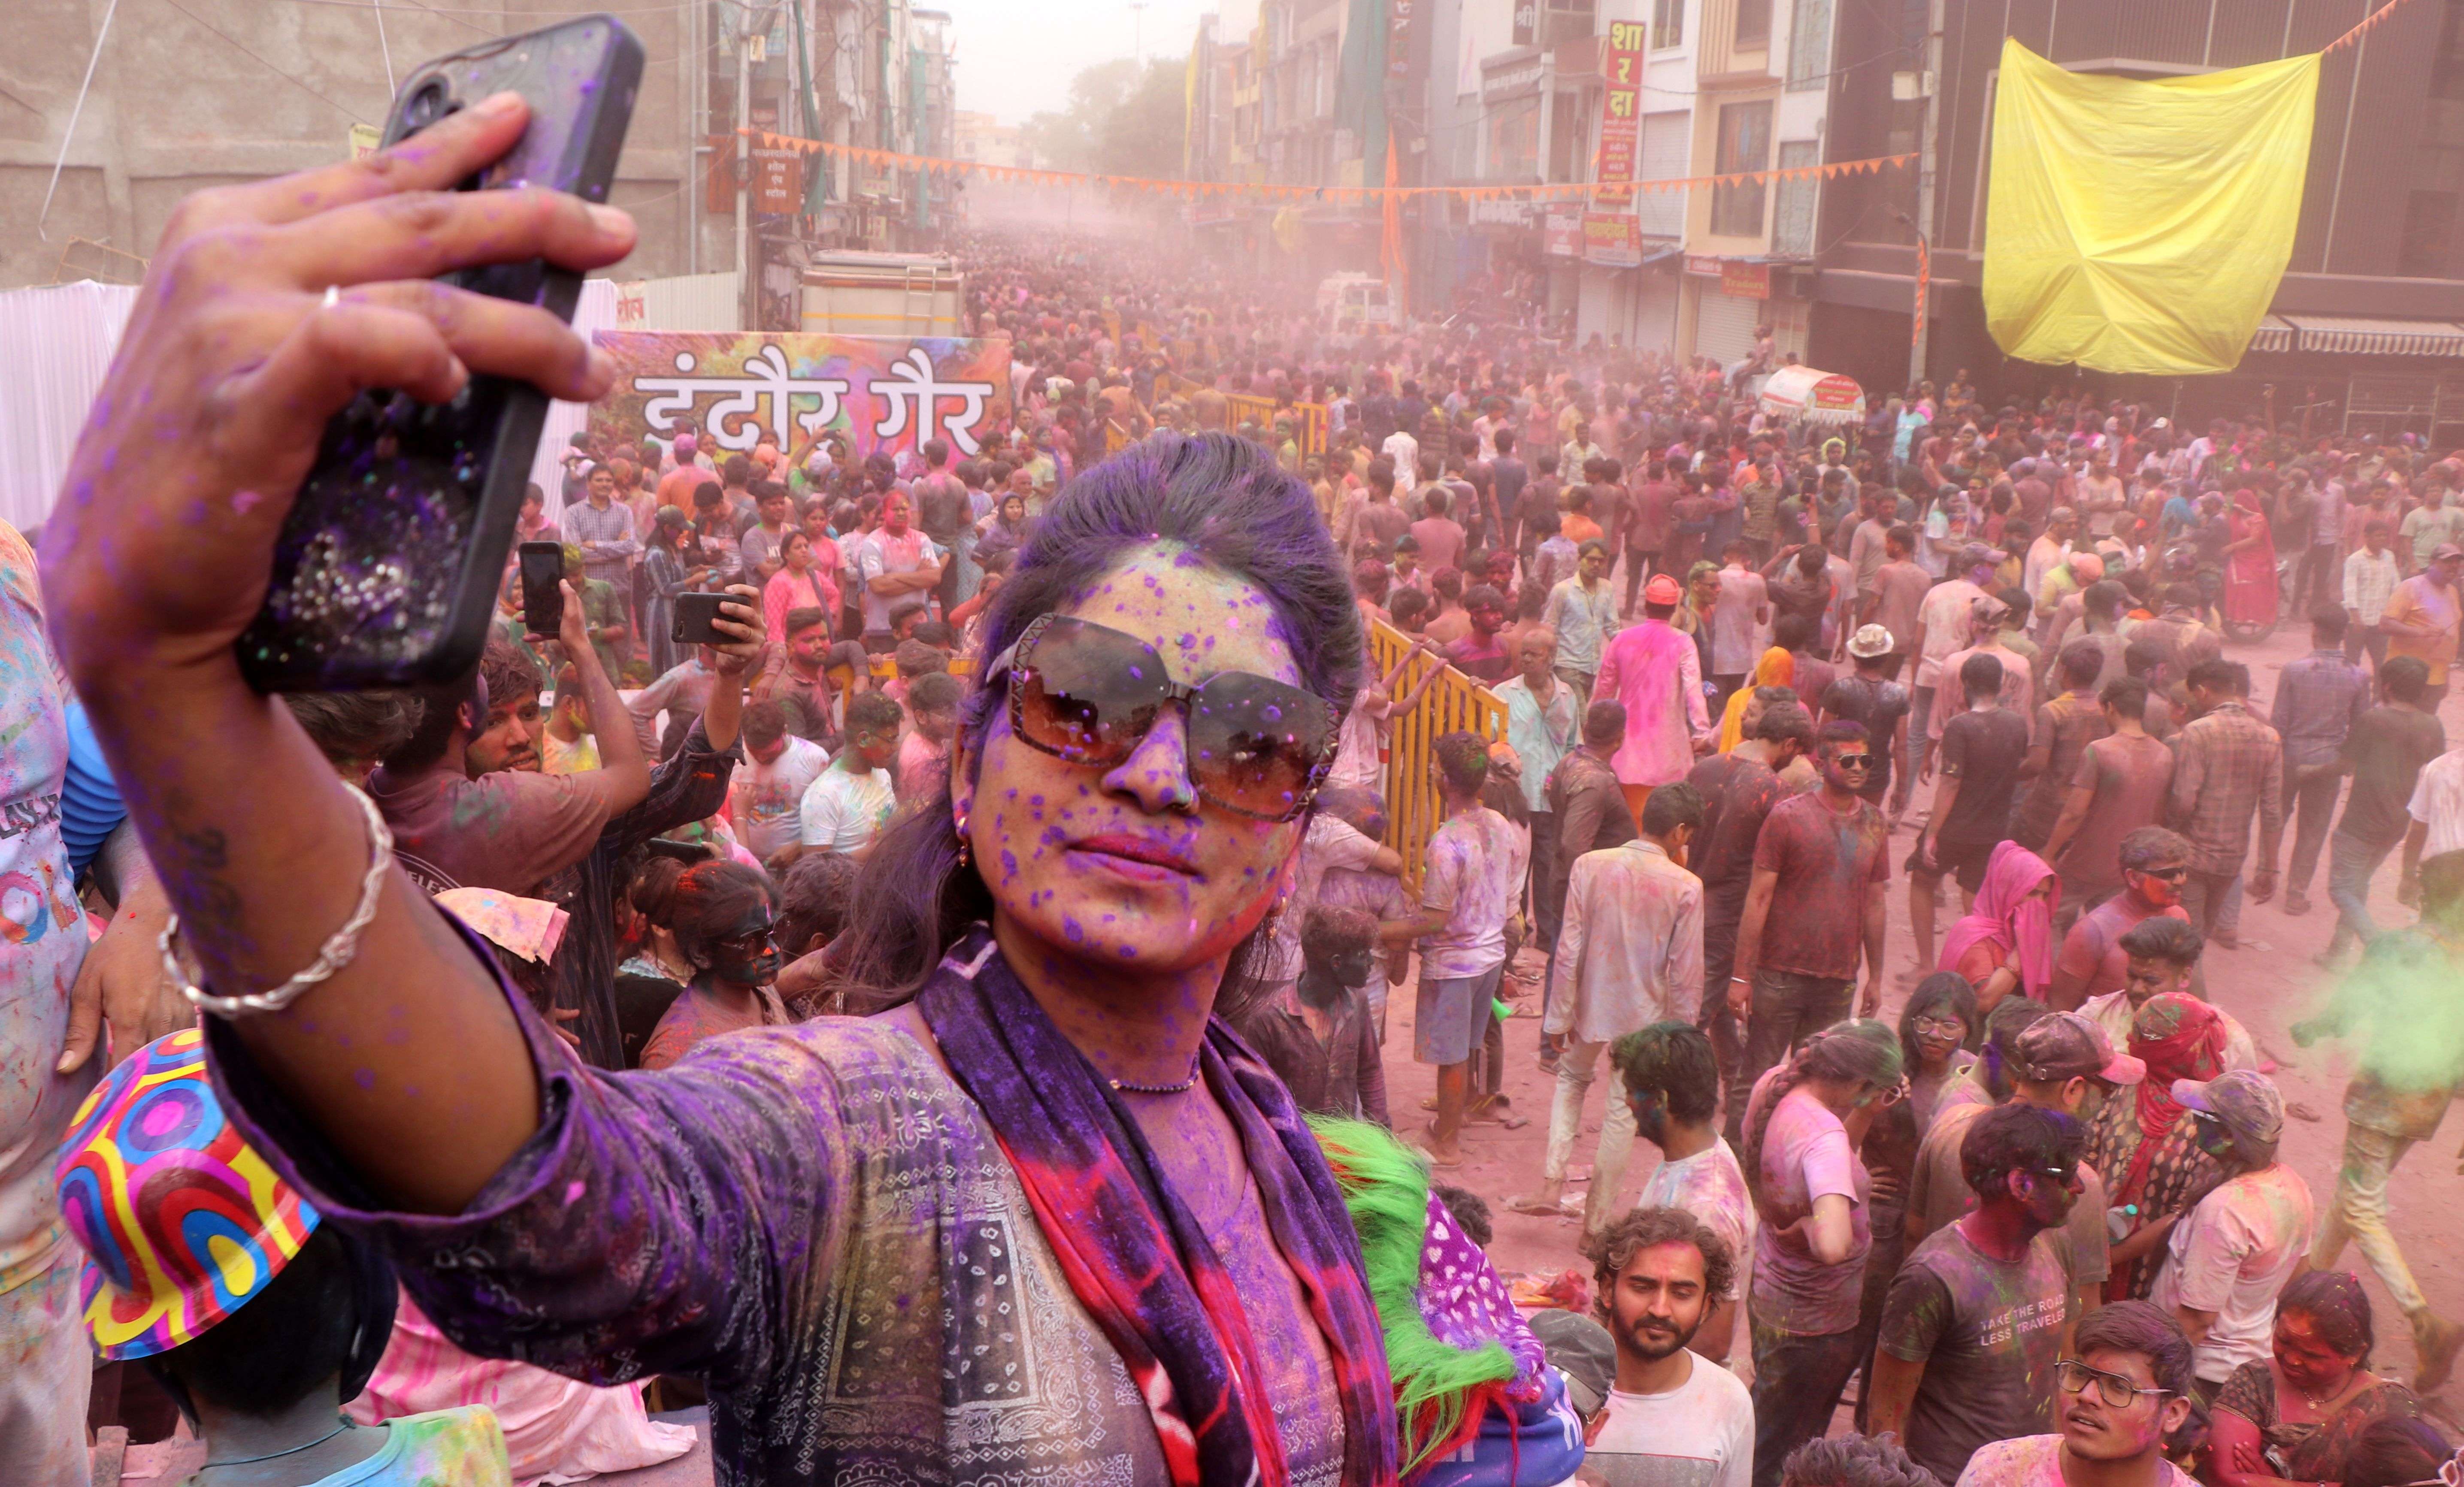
<point x="190" y="93"/>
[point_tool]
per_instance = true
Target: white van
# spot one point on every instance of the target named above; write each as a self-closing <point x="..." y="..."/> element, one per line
<point x="1351" y="303"/>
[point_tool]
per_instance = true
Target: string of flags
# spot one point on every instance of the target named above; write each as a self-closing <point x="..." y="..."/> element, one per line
<point x="2368" y="23"/>
<point x="932" y="165"/>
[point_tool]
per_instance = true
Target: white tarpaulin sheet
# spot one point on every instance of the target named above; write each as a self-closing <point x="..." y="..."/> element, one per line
<point x="1817" y="397"/>
<point x="57" y="342"/>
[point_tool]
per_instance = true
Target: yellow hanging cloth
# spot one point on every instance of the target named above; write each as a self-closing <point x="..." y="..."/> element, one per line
<point x="2142" y="227"/>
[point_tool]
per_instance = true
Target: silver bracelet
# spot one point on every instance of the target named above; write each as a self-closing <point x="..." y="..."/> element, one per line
<point x="335" y="953"/>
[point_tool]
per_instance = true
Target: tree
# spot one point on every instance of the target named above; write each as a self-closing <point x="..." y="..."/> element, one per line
<point x="1119" y="121"/>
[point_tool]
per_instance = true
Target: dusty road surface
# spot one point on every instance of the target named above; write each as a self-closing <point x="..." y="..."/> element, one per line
<point x="2270" y="983"/>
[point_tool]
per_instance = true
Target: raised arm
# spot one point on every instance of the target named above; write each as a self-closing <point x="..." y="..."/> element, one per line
<point x="159" y="554"/>
<point x="624" y="773"/>
<point x="724" y="713"/>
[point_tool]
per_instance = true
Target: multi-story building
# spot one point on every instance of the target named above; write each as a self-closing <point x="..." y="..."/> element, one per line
<point x="1299" y="42"/>
<point x="2367" y="325"/>
<point x="1728" y="87"/>
<point x="1760" y="67"/>
<point x="880" y="73"/>
<point x="109" y="117"/>
<point x="983" y="139"/>
<point x="1526" y="93"/>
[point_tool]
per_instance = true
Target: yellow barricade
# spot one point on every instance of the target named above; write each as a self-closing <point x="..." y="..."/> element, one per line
<point x="1309" y="419"/>
<point x="1454" y="703"/>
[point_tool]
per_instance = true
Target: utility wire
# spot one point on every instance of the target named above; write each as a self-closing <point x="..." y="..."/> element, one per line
<point x="346" y="109"/>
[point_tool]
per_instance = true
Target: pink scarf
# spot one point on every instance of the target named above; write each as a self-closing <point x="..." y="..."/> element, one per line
<point x="2004" y="917"/>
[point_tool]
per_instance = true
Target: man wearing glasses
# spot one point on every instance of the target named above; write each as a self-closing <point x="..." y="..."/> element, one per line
<point x="2124" y="1391"/>
<point x="1826" y="858"/>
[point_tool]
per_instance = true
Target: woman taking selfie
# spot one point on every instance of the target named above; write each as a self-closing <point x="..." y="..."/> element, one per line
<point x="1037" y="1216"/>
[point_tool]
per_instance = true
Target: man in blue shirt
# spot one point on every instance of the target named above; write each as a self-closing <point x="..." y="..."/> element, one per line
<point x="1542" y="716"/>
<point x="2318" y="700"/>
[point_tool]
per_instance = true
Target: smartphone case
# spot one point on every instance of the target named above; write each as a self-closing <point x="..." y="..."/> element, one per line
<point x="388" y="566"/>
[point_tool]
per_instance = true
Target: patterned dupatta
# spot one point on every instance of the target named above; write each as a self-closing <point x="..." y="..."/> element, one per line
<point x="1134" y="1253"/>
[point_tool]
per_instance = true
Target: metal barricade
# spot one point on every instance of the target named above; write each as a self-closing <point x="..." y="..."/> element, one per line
<point x="1453" y="703"/>
<point x="1309" y="419"/>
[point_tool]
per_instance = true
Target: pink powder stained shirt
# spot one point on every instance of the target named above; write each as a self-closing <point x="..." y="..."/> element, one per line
<point x="2036" y="1461"/>
<point x="554" y="1425"/>
<point x="1654" y="669"/>
<point x="1806" y="1155"/>
<point x="1475" y="864"/>
<point x="2229" y="1256"/>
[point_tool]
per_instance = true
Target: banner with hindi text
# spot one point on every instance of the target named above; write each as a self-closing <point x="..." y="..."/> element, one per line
<point x="1621" y="116"/>
<point x="881" y="393"/>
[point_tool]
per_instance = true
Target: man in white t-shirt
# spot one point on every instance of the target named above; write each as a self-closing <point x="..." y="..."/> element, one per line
<point x="847" y="804"/>
<point x="765" y="799"/>
<point x="2437" y="812"/>
<point x="1672" y="1085"/>
<point x="1330" y="844"/>
<point x="1472" y="886"/>
<point x="1672" y="1419"/>
<point x="896" y="561"/>
<point x="2229" y="1256"/>
<point x="1405" y="452"/>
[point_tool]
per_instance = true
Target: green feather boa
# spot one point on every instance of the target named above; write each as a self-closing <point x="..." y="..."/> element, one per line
<point x="1437" y="1388"/>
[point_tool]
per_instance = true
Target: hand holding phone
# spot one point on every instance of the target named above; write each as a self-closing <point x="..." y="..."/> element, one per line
<point x="163" y="556"/>
<point x="572" y="621"/>
<point x="740" y="629"/>
<point x="384" y="568"/>
<point x="542" y="570"/>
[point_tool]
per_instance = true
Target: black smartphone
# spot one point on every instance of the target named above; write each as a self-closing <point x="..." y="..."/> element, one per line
<point x="695" y="617"/>
<point x="542" y="565"/>
<point x="385" y="571"/>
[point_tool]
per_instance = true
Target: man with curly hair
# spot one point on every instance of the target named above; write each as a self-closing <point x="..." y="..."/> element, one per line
<point x="1659" y="1271"/>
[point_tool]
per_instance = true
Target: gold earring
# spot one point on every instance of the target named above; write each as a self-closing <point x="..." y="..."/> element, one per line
<point x="966" y="848"/>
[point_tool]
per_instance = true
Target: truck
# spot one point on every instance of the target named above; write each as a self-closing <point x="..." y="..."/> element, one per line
<point x="1355" y="302"/>
<point x="866" y="293"/>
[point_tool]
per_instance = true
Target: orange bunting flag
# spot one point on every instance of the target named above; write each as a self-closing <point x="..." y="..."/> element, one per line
<point x="1530" y="192"/>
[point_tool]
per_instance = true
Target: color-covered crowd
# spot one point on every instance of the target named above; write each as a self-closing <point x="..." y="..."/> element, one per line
<point x="940" y="1026"/>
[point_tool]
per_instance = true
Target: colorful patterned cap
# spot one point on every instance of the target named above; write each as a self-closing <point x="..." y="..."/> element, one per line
<point x="182" y="1222"/>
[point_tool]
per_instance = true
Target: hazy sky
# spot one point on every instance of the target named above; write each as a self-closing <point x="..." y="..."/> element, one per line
<point x="1015" y="57"/>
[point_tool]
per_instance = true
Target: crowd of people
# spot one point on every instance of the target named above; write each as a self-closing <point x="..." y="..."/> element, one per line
<point x="942" y="1023"/>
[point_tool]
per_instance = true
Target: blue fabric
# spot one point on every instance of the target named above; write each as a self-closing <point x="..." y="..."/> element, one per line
<point x="1537" y="1444"/>
<point x="90" y="803"/>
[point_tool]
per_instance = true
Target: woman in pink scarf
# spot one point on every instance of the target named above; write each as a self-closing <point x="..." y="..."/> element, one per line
<point x="2250" y="563"/>
<point x="2005" y="945"/>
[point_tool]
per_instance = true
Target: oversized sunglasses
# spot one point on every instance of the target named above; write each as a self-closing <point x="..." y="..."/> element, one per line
<point x="1089" y="694"/>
